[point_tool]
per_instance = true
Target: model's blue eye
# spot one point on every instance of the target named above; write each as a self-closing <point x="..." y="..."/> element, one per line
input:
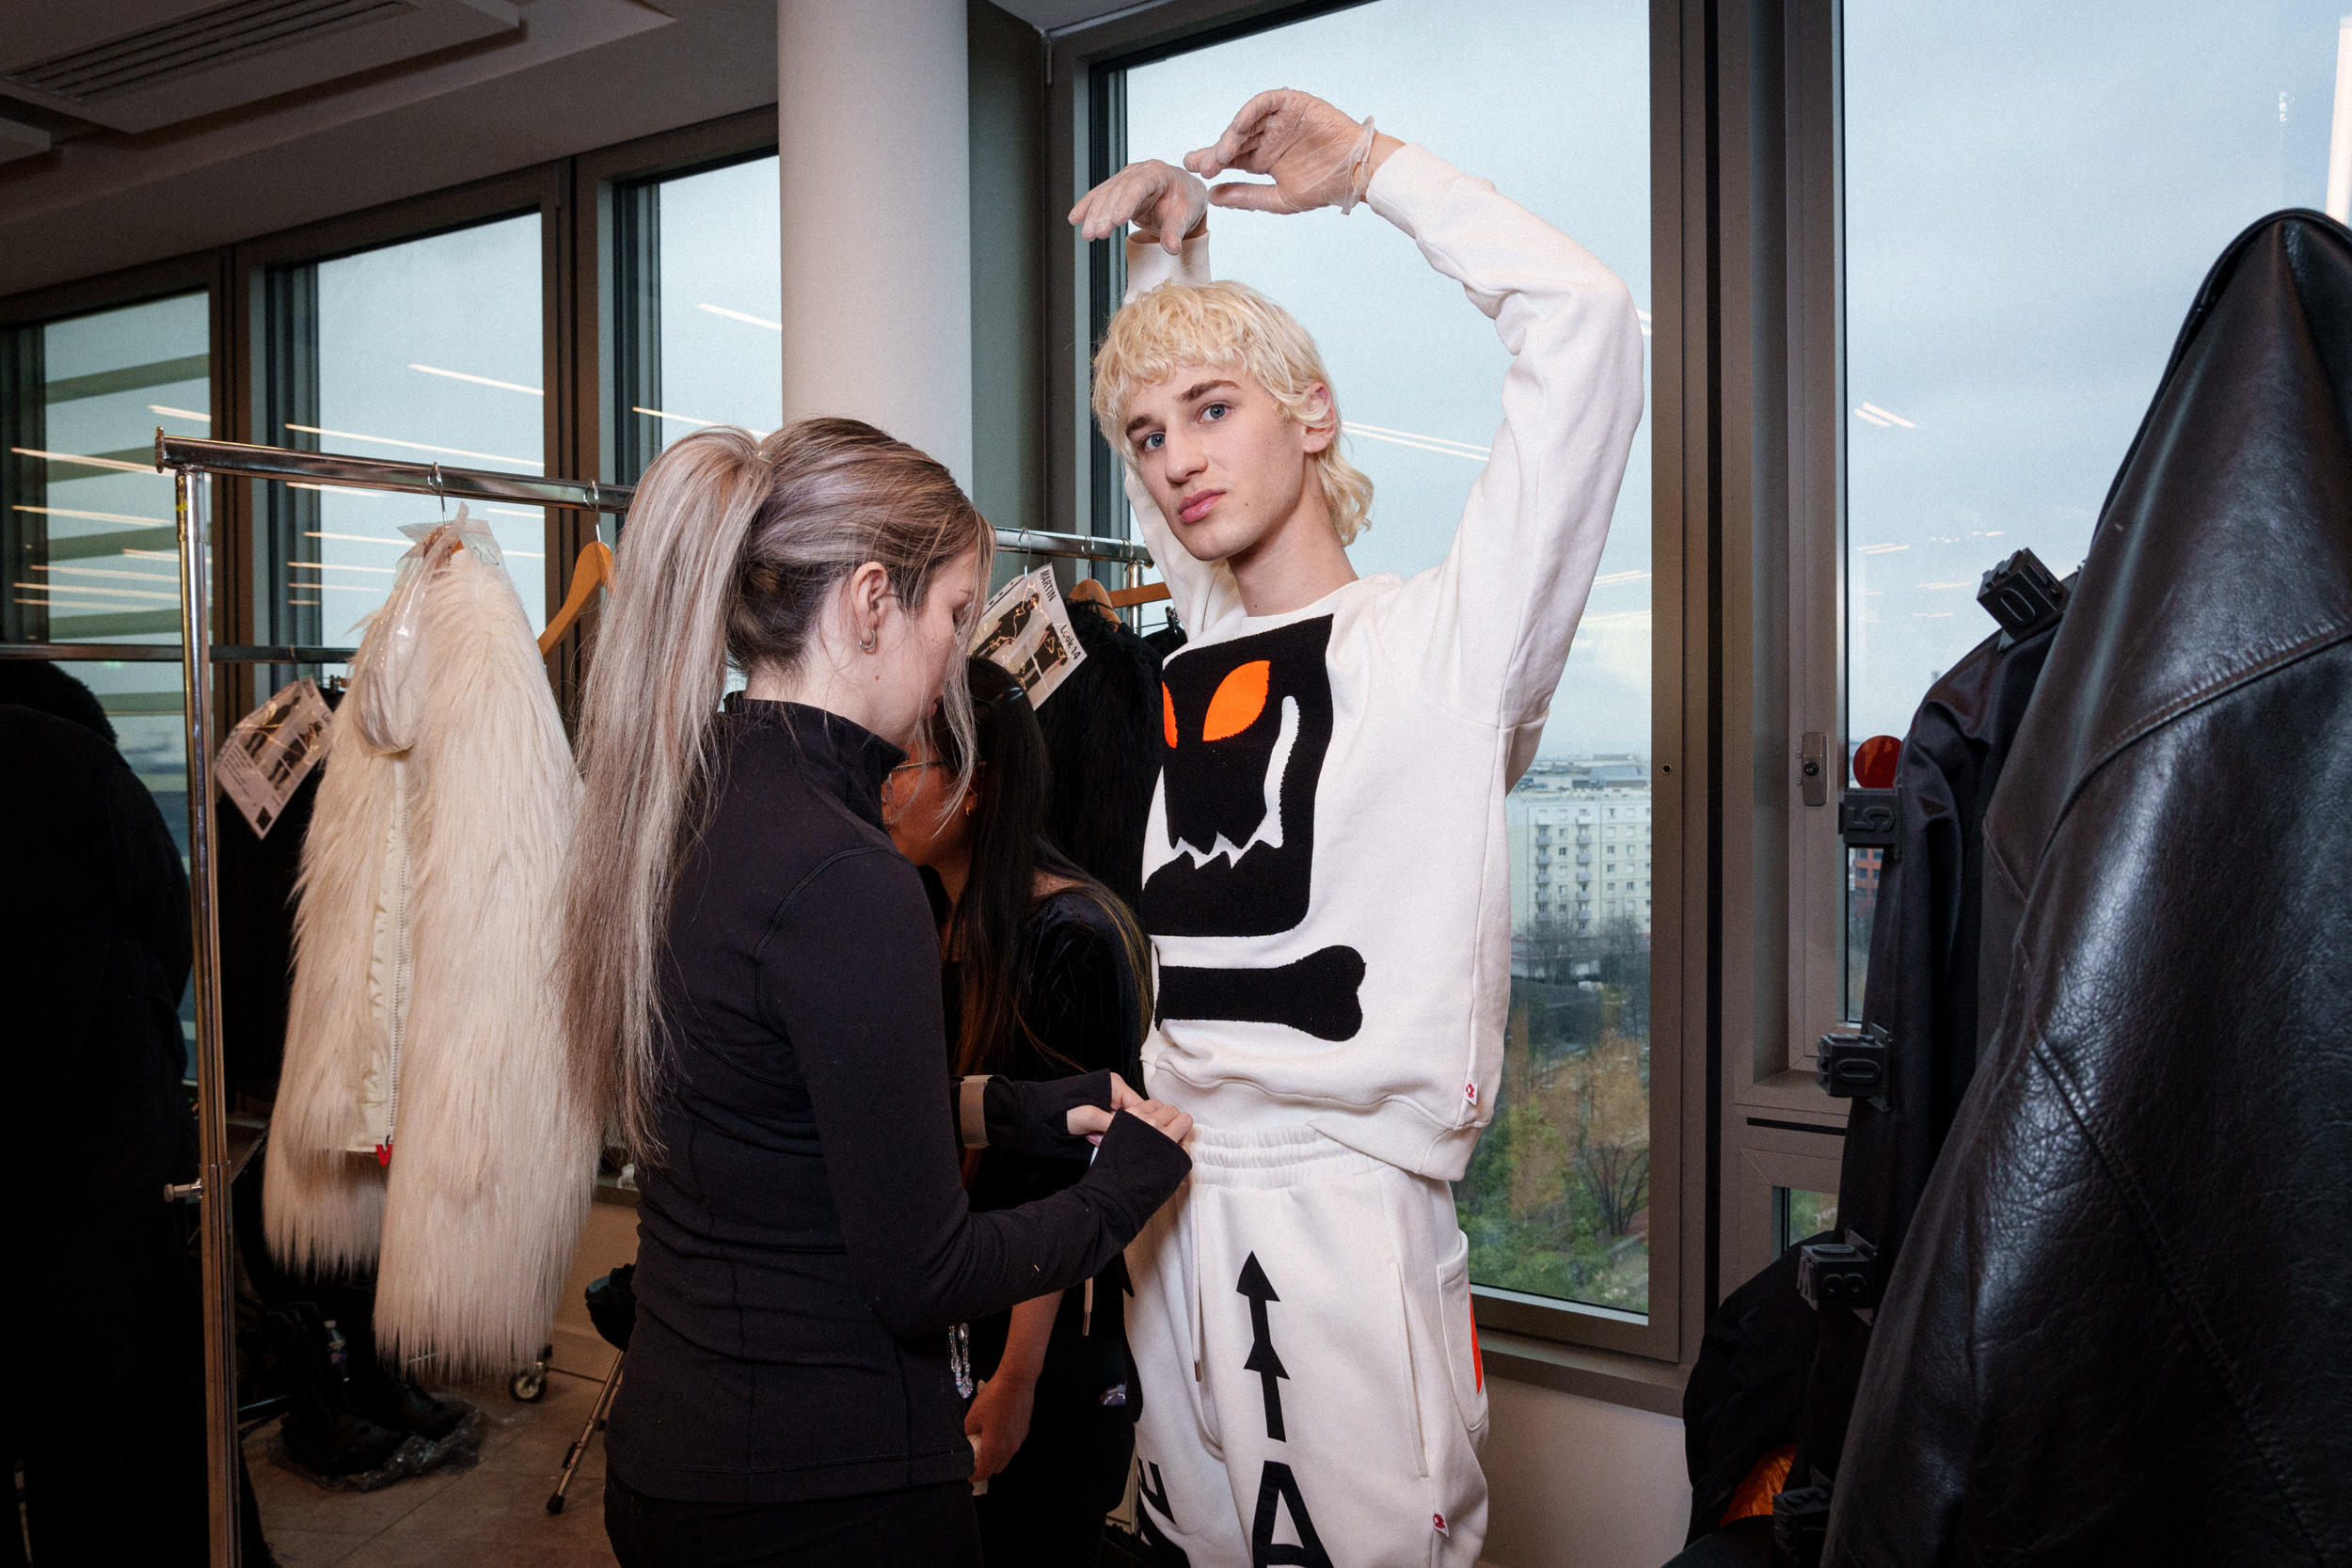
<point x="1215" y="410"/>
<point x="1152" y="442"/>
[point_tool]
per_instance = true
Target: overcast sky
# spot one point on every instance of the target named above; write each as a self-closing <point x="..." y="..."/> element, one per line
<point x="2033" y="194"/>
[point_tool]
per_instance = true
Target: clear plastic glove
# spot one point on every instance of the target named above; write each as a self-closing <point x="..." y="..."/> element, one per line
<point x="1316" y="155"/>
<point x="1161" y="201"/>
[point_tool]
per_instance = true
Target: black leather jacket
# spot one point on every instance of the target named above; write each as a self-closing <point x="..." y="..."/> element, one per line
<point x="2120" y="1329"/>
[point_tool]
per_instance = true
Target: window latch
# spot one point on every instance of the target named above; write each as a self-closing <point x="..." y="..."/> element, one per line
<point x="1813" y="767"/>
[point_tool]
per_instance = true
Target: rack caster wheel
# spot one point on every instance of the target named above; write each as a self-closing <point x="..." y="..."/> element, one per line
<point x="530" y="1385"/>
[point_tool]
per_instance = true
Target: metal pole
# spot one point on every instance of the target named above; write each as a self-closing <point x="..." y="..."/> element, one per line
<point x="191" y="496"/>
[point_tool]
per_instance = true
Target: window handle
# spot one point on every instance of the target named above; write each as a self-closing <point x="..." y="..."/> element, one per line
<point x="1813" y="767"/>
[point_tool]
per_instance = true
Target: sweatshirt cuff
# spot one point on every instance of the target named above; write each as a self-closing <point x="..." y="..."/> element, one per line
<point x="1413" y="181"/>
<point x="1149" y="266"/>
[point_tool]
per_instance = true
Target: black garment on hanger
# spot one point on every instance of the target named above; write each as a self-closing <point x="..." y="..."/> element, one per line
<point x="254" y="884"/>
<point x="101" y="1344"/>
<point x="1922" y="986"/>
<point x="2118" y="1329"/>
<point x="1102" y="728"/>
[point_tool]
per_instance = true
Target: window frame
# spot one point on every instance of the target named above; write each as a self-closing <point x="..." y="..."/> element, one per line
<point x="1583" y="1349"/>
<point x="206" y="271"/>
<point x="1780" y="862"/>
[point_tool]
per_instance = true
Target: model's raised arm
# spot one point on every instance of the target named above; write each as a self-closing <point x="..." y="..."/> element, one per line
<point x="1488" y="630"/>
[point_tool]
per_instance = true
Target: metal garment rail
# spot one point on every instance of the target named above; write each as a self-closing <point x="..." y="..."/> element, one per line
<point x="189" y="460"/>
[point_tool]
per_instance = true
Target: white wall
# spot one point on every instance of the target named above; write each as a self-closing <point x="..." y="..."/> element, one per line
<point x="1577" y="1483"/>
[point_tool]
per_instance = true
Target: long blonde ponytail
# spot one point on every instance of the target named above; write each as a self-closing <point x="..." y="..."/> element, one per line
<point x="729" y="553"/>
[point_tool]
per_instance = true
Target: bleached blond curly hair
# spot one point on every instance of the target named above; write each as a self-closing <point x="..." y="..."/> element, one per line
<point x="1229" y="326"/>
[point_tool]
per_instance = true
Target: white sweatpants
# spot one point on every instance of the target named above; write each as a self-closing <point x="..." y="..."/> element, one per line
<point x="1302" y="1339"/>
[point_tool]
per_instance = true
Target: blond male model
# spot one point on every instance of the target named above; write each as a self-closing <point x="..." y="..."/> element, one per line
<point x="1325" y="875"/>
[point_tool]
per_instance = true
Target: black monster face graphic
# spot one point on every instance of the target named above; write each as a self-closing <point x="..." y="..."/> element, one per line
<point x="1247" y="725"/>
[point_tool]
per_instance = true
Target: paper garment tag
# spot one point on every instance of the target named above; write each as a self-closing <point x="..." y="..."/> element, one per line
<point x="1025" y="629"/>
<point x="270" y="750"/>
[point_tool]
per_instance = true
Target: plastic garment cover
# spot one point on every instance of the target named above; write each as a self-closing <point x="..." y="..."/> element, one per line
<point x="2118" y="1329"/>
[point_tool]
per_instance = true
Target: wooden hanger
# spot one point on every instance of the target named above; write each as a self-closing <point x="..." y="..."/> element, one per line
<point x="1089" y="591"/>
<point x="593" y="570"/>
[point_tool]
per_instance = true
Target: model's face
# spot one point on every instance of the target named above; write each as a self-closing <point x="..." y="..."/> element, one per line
<point x="918" y="648"/>
<point x="1225" y="465"/>
<point x="927" y="822"/>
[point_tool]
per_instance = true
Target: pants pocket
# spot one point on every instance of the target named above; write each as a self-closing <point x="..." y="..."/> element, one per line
<point x="1463" y="1369"/>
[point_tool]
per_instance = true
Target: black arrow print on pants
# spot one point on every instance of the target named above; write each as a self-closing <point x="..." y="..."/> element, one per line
<point x="1262" y="1360"/>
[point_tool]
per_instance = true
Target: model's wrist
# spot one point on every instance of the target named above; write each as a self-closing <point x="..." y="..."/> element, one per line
<point x="1151" y="236"/>
<point x="1382" y="146"/>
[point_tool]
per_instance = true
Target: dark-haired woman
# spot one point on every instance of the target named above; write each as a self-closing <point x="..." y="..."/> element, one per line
<point x="1044" y="975"/>
<point x="753" y="978"/>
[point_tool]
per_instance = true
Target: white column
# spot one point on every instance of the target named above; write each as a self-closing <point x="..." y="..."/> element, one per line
<point x="872" y="111"/>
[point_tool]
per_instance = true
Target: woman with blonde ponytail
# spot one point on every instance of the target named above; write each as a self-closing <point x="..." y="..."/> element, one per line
<point x="753" y="978"/>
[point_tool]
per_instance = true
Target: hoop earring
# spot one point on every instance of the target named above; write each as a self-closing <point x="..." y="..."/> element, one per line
<point x="867" y="644"/>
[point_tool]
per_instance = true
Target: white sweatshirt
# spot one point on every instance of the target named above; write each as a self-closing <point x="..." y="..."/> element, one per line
<point x="1345" y="824"/>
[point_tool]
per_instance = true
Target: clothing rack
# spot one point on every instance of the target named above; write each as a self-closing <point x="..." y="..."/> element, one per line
<point x="188" y="460"/>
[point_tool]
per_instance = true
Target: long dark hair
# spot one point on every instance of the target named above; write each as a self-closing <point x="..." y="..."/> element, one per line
<point x="990" y="932"/>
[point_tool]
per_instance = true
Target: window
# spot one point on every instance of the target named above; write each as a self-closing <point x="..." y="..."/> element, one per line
<point x="429" y="351"/>
<point x="91" y="549"/>
<point x="90" y="546"/>
<point x="2024" y="234"/>
<point x="1797" y="1213"/>
<point x="698" y="281"/>
<point x="1556" y="1202"/>
<point x="87" y="537"/>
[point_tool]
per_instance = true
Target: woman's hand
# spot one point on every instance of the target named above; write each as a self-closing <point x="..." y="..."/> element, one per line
<point x="1316" y="155"/>
<point x="1161" y="201"/>
<point x="1174" y="1123"/>
<point x="999" y="1422"/>
<point x="1092" y="1121"/>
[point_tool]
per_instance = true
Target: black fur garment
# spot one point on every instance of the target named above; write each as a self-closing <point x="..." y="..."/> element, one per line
<point x="1102" y="729"/>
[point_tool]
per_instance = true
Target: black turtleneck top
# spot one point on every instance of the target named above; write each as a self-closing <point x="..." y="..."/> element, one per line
<point x="806" y="1246"/>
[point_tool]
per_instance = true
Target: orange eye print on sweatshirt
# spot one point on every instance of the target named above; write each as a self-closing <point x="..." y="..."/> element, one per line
<point x="1247" y="723"/>
<point x="1240" y="698"/>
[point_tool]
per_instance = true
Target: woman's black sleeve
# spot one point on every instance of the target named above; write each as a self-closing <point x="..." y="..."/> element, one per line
<point x="849" y="977"/>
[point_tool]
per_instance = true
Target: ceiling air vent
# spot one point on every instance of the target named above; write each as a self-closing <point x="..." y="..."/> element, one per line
<point x="193" y="59"/>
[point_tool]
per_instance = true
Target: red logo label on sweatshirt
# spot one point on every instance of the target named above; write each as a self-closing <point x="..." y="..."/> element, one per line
<point x="1470" y="1092"/>
<point x="1439" y="1520"/>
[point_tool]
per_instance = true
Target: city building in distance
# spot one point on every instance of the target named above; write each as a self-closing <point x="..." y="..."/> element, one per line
<point x="1579" y="845"/>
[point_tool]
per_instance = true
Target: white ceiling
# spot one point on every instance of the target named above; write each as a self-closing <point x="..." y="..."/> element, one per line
<point x="584" y="74"/>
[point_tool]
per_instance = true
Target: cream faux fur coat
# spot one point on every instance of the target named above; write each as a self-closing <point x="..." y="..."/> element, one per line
<point x="428" y="1121"/>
